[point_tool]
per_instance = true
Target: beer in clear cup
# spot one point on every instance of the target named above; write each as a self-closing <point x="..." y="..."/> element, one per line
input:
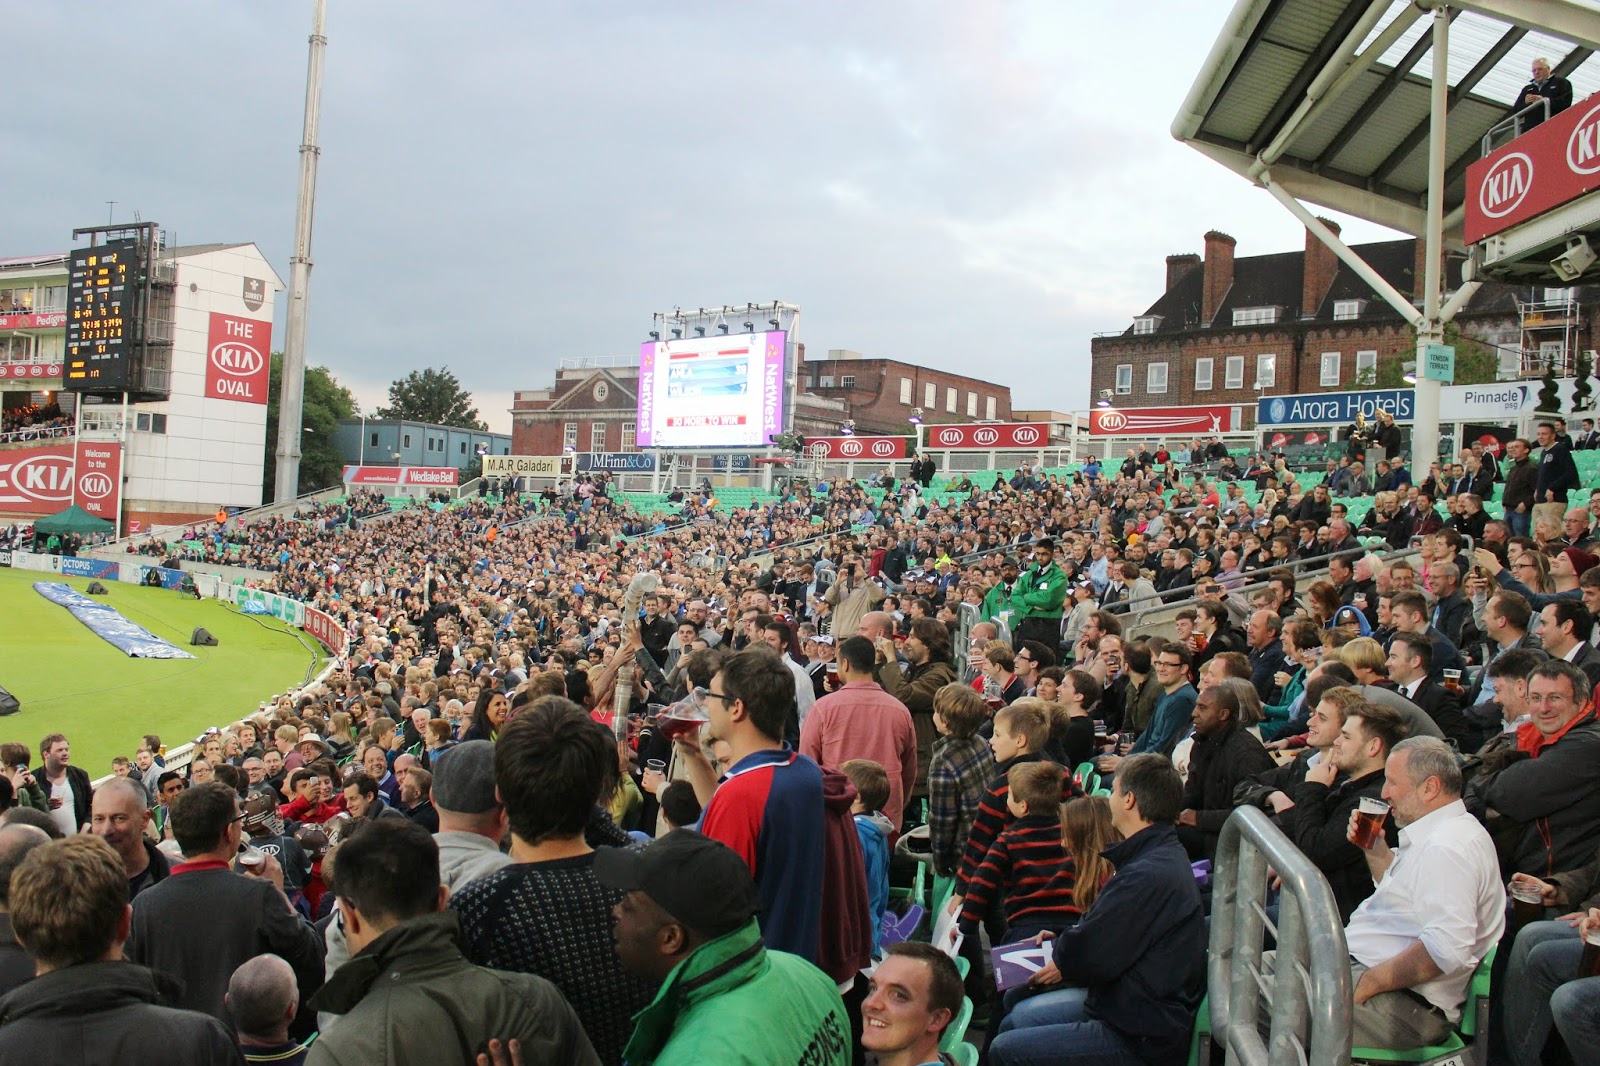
<point x="1369" y="821"/>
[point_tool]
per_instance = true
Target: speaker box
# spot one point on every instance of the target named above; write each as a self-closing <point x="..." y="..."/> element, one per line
<point x="95" y="589"/>
<point x="203" y="638"/>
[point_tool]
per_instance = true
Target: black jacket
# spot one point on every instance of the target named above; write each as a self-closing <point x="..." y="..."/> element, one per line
<point x="107" y="1012"/>
<point x="1444" y="707"/>
<point x="1521" y="478"/>
<point x="1216" y="766"/>
<point x="1557" y="473"/>
<point x="1265" y="662"/>
<point x="1318" y="823"/>
<point x="1557" y="90"/>
<point x="1141" y="949"/>
<point x="204" y="920"/>
<point x="1555" y="799"/>
<point x="1451" y="613"/>
<point x="82" y="791"/>
<point x="16" y="967"/>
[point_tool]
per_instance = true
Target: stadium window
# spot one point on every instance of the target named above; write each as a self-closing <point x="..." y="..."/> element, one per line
<point x="847" y="381"/>
<point x="972" y="405"/>
<point x="1344" y="310"/>
<point x="826" y="382"/>
<point x="569" y="435"/>
<point x="988" y="407"/>
<point x="158" y="423"/>
<point x="1330" y="368"/>
<point x="1233" y="372"/>
<point x="1366" y="368"/>
<point x="950" y="400"/>
<point x="1202" y="374"/>
<point x="141" y="423"/>
<point x="1267" y="370"/>
<point x="905" y="391"/>
<point x="629" y="434"/>
<point x="597" y="437"/>
<point x="1255" y="316"/>
<point x="1155" y="379"/>
<point x="1124" y="379"/>
<point x="930" y="395"/>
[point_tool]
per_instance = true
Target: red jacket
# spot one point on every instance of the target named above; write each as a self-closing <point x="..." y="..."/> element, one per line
<point x="846" y="933"/>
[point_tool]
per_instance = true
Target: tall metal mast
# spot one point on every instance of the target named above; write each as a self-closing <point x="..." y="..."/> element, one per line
<point x="292" y="395"/>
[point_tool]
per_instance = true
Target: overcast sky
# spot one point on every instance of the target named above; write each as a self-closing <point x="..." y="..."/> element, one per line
<point x="977" y="187"/>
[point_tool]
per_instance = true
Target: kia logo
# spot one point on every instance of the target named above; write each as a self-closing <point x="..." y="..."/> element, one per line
<point x="1112" y="420"/>
<point x="239" y="360"/>
<point x="47" y="478"/>
<point x="95" y="486"/>
<point x="1583" y="147"/>
<point x="850" y="447"/>
<point x="1026" y="435"/>
<point x="949" y="436"/>
<point x="882" y="447"/>
<point x="36" y="371"/>
<point x="1506" y="185"/>
<point x="986" y="436"/>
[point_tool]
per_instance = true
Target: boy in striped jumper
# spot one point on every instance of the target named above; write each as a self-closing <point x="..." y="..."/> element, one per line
<point x="1027" y="869"/>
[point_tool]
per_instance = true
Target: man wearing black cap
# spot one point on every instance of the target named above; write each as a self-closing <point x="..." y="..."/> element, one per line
<point x="1039" y="597"/>
<point x="472" y="821"/>
<point x="687" y="922"/>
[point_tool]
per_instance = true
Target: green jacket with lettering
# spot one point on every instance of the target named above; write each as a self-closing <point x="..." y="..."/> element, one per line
<point x="996" y="601"/>
<point x="735" y="1001"/>
<point x="1040" y="593"/>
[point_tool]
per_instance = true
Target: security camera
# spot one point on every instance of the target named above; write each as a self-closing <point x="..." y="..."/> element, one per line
<point x="1105" y="394"/>
<point x="1571" y="264"/>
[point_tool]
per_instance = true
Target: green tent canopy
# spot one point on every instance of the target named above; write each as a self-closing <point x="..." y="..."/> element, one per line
<point x="73" y="520"/>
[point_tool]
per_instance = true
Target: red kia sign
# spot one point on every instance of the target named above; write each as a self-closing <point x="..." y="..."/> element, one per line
<point x="36" y="480"/>
<point x="29" y="371"/>
<point x="41" y="320"/>
<point x="987" y="436"/>
<point x="1556" y="161"/>
<point x="323" y="627"/>
<point x="866" y="449"/>
<point x="238" y="359"/>
<point x="99" y="488"/>
<point x="1161" y="421"/>
<point x="419" y="476"/>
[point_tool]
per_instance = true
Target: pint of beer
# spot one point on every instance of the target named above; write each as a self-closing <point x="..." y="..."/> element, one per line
<point x="1452" y="681"/>
<point x="1589" y="961"/>
<point x="1369" y="822"/>
<point x="1527" y="905"/>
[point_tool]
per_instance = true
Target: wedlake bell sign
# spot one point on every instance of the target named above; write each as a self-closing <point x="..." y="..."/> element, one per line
<point x="987" y="436"/>
<point x="238" y="363"/>
<point x="396" y="476"/>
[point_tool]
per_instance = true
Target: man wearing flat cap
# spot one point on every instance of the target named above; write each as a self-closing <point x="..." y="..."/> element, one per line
<point x="687" y="921"/>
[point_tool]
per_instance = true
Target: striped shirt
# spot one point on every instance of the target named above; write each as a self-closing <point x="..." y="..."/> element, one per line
<point x="994" y="816"/>
<point x="1029" y="871"/>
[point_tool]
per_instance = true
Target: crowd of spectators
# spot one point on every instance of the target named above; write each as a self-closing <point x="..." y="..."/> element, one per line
<point x="465" y="834"/>
<point x="33" y="421"/>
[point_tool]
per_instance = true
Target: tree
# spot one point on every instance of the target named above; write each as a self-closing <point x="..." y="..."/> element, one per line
<point x="1476" y="363"/>
<point x="326" y="402"/>
<point x="434" y="396"/>
<point x="1582" y="370"/>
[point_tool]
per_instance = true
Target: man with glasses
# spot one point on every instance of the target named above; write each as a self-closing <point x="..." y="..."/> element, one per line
<point x="1174" y="710"/>
<point x="203" y="921"/>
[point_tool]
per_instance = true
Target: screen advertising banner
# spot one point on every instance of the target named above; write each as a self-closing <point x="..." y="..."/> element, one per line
<point x="711" y="392"/>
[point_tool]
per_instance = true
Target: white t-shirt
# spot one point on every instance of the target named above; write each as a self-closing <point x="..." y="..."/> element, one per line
<point x="66" y="813"/>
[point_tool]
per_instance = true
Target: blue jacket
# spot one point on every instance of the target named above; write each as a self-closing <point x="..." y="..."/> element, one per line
<point x="1141" y="949"/>
<point x="872" y="828"/>
<point x="1172" y="717"/>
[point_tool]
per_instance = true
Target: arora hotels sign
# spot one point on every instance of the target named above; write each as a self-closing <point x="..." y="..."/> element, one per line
<point x="1334" y="409"/>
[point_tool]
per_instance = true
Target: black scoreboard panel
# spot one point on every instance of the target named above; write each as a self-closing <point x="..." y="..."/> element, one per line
<point x="102" y="300"/>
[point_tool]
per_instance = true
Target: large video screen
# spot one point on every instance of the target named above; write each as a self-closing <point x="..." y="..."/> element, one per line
<point x="711" y="392"/>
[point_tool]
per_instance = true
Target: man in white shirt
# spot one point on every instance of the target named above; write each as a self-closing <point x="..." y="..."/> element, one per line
<point x="1438" y="907"/>
<point x="776" y="635"/>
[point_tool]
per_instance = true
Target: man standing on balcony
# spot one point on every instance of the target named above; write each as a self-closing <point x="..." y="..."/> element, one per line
<point x="1543" y="85"/>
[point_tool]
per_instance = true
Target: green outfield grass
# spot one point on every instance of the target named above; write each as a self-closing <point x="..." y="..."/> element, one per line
<point x="70" y="681"/>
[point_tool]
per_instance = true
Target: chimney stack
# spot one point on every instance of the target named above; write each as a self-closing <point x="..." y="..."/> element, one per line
<point x="1218" y="274"/>
<point x="1178" y="266"/>
<point x="1319" y="267"/>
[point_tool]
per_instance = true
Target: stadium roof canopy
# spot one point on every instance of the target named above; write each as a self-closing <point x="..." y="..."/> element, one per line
<point x="1332" y="97"/>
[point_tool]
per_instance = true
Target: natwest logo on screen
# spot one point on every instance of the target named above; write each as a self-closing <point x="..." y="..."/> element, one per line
<point x="988" y="436"/>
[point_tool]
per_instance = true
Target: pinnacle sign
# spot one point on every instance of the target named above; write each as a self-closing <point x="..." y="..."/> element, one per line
<point x="237" y="359"/>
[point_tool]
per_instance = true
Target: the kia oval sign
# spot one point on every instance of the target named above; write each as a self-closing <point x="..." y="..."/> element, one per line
<point x="95" y="486"/>
<point x="883" y="448"/>
<point x="1583" y="146"/>
<point x="1506" y="185"/>
<point x="1111" y="421"/>
<point x="855" y="447"/>
<point x="988" y="436"/>
<point x="237" y="366"/>
<point x="850" y="449"/>
<point x="45" y="478"/>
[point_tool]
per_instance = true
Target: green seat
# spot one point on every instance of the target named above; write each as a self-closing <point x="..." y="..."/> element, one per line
<point x="963" y="967"/>
<point x="956" y="1033"/>
<point x="1473" y="1011"/>
<point x="963" y="1055"/>
<point x="1088" y="777"/>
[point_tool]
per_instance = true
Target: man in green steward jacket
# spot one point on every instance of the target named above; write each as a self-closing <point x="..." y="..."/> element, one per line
<point x="998" y="599"/>
<point x="1038" y="598"/>
<point x="688" y="920"/>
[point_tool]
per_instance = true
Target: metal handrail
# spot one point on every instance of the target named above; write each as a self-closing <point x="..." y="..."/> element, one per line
<point x="1310" y="987"/>
<point x="1512" y="122"/>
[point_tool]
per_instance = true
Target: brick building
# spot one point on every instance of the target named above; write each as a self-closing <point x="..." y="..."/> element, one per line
<point x="1227" y="330"/>
<point x="880" y="394"/>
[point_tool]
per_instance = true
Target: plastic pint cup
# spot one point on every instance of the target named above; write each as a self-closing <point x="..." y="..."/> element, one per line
<point x="1589" y="961"/>
<point x="1369" y="822"/>
<point x="1527" y="905"/>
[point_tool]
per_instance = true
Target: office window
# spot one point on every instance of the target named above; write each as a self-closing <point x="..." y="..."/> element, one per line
<point x="826" y="381"/>
<point x="989" y="407"/>
<point x="150" y="423"/>
<point x="1366" y="368"/>
<point x="1233" y="372"/>
<point x="930" y="395"/>
<point x="1267" y="370"/>
<point x="1255" y="316"/>
<point x="1202" y="374"/>
<point x="950" y="400"/>
<point x="905" y="391"/>
<point x="569" y="435"/>
<point x="628" y="436"/>
<point x="1155" y="379"/>
<point x="847" y="381"/>
<point x="1124" y="379"/>
<point x="972" y="405"/>
<point x="1330" y="368"/>
<point x="1343" y="310"/>
<point x="597" y="437"/>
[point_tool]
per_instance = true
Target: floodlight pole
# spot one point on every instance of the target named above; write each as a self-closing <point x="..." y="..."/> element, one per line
<point x="291" y="395"/>
<point x="1425" y="417"/>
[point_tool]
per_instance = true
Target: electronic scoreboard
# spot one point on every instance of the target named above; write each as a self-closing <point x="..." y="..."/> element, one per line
<point x="102" y="312"/>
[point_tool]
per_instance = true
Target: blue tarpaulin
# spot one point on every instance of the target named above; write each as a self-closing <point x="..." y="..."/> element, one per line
<point x="105" y="622"/>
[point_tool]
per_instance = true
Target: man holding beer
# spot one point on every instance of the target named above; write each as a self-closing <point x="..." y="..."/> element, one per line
<point x="1438" y="907"/>
<point x="1549" y="978"/>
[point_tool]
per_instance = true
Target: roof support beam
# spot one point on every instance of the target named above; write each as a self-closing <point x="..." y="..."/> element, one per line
<point x="1570" y="21"/>
<point x="1425" y="422"/>
<point x="1315" y="63"/>
<point x="1380" y="97"/>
